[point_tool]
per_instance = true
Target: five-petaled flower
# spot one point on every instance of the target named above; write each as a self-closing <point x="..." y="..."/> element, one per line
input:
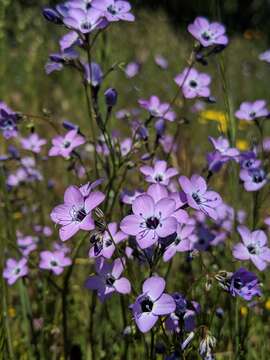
<point x="150" y="220"/>
<point x="198" y="197"/>
<point x="193" y="83"/>
<point x="253" y="247"/>
<point x="64" y="145"/>
<point x="76" y="212"/>
<point x="252" y="110"/>
<point x="15" y="269"/>
<point x="55" y="261"/>
<point x="152" y="303"/>
<point x="108" y="279"/>
<point x="208" y="33"/>
<point x="159" y="173"/>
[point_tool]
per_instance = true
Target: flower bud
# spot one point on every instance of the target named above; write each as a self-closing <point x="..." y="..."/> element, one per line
<point x="111" y="97"/>
<point x="52" y="16"/>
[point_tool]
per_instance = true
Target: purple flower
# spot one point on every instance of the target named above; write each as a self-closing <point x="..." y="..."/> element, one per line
<point x="14" y="270"/>
<point x="27" y="244"/>
<point x="93" y="74"/>
<point x="161" y="62"/>
<point x="125" y="146"/>
<point x="253" y="248"/>
<point x="55" y="261"/>
<point x="58" y="60"/>
<point x="193" y="83"/>
<point x="254" y="179"/>
<point x="198" y="197"/>
<point x="75" y="213"/>
<point x="132" y="69"/>
<point x="181" y="240"/>
<point x="152" y="303"/>
<point x="128" y="197"/>
<point x="245" y="284"/>
<point x="108" y="279"/>
<point x="8" y="121"/>
<point x="80" y="4"/>
<point x="67" y="41"/>
<point x="265" y="56"/>
<point x="159" y="174"/>
<point x="150" y="220"/>
<point x="84" y="21"/>
<point x="114" y="10"/>
<point x="158" y="109"/>
<point x="111" y="97"/>
<point x="167" y="143"/>
<point x="248" y="160"/>
<point x="222" y="145"/>
<point x="252" y="110"/>
<point x="208" y="33"/>
<point x="64" y="145"/>
<point x="33" y="143"/>
<point x="185" y="312"/>
<point x="103" y="244"/>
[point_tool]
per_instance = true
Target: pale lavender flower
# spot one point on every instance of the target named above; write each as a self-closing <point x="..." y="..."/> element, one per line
<point x="265" y="56"/>
<point x="222" y="145"/>
<point x="114" y="10"/>
<point x="128" y="197"/>
<point x="193" y="83"/>
<point x="132" y="69"/>
<point x="253" y="247"/>
<point x="152" y="303"/>
<point x="55" y="261"/>
<point x="125" y="146"/>
<point x="161" y="62"/>
<point x="198" y="197"/>
<point x="159" y="173"/>
<point x="84" y="21"/>
<point x="108" y="279"/>
<point x="150" y="220"/>
<point x="248" y="160"/>
<point x="208" y="33"/>
<point x="76" y="212"/>
<point x="157" y="109"/>
<point x="15" y="269"/>
<point x="103" y="245"/>
<point x="58" y="60"/>
<point x="252" y="110"/>
<point x="64" y="145"/>
<point x="33" y="143"/>
<point x="254" y="179"/>
<point x="27" y="244"/>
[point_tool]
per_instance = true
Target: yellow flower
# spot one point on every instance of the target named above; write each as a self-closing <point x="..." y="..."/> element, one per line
<point x="244" y="310"/>
<point x="11" y="312"/>
<point x="214" y="115"/>
<point x="267" y="304"/>
<point x="242" y="144"/>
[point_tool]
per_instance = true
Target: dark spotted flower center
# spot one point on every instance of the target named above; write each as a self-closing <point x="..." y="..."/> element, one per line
<point x="17" y="271"/>
<point x="110" y="280"/>
<point x="252" y="114"/>
<point x="111" y="10"/>
<point x="147" y="305"/>
<point x="53" y="263"/>
<point x="158" y="178"/>
<point x="258" y="177"/>
<point x="66" y="144"/>
<point x="152" y="223"/>
<point x="193" y="83"/>
<point x="86" y="25"/>
<point x="196" y="198"/>
<point x="177" y="241"/>
<point x="206" y="36"/>
<point x="252" y="249"/>
<point x="237" y="284"/>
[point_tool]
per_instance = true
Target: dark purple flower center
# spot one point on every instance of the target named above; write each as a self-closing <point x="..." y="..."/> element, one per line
<point x="78" y="214"/>
<point x="258" y="176"/>
<point x="177" y="240"/>
<point x="108" y="242"/>
<point x="158" y="178"/>
<point x="193" y="83"/>
<point x="111" y="10"/>
<point x="7" y="124"/>
<point x="17" y="271"/>
<point x="152" y="223"/>
<point x="206" y="36"/>
<point x="110" y="280"/>
<point x="196" y="198"/>
<point x="252" y="114"/>
<point x="66" y="144"/>
<point x="252" y="249"/>
<point x="86" y="25"/>
<point x="237" y="283"/>
<point x="53" y="263"/>
<point x="147" y="305"/>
